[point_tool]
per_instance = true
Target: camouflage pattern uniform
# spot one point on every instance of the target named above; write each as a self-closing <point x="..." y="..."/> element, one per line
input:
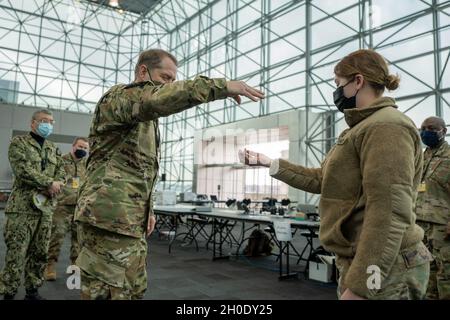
<point x="113" y="265"/>
<point x="407" y="279"/>
<point x="433" y="215"/>
<point x="27" y="229"/>
<point x="115" y="199"/>
<point x="64" y="212"/>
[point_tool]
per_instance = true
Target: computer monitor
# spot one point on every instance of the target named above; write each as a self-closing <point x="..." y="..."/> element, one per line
<point x="213" y="197"/>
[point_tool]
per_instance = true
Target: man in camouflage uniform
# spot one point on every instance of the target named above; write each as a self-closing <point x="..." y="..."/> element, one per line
<point x="433" y="205"/>
<point x="75" y="167"/>
<point x="114" y="206"/>
<point x="38" y="174"/>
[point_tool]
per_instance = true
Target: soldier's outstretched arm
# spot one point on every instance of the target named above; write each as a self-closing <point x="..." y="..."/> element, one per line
<point x="23" y="169"/>
<point x="175" y="97"/>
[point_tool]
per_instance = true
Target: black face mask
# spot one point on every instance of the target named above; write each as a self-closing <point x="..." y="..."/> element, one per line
<point x="432" y="139"/>
<point x="80" y="153"/>
<point x="341" y="101"/>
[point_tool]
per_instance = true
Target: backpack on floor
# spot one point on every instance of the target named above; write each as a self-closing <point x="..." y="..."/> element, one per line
<point x="258" y="244"/>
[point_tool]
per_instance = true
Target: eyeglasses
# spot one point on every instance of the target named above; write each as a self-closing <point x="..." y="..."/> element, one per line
<point x="45" y="121"/>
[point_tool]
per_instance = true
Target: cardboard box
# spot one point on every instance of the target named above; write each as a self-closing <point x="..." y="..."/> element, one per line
<point x="322" y="271"/>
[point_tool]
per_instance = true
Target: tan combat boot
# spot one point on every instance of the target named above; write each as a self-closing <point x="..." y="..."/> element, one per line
<point x="50" y="272"/>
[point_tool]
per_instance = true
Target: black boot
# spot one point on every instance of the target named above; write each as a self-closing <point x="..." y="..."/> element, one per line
<point x="33" y="294"/>
<point x="8" y="296"/>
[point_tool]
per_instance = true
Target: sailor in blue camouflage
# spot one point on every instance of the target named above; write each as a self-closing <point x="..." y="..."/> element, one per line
<point x="37" y="167"/>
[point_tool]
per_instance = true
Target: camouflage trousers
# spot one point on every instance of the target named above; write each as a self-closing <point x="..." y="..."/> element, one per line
<point x="27" y="237"/>
<point x="408" y="278"/>
<point x="113" y="266"/>
<point x="439" y="245"/>
<point x="62" y="224"/>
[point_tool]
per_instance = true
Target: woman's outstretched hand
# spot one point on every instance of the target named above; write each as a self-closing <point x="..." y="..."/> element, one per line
<point x="254" y="159"/>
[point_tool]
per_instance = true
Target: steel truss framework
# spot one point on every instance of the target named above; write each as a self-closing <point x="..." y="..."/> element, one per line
<point x="289" y="49"/>
<point x="65" y="54"/>
<point x="286" y="47"/>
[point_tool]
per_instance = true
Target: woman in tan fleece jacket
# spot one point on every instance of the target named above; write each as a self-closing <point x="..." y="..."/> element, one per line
<point x="368" y="184"/>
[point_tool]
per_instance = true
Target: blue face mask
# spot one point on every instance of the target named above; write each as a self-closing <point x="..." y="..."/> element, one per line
<point x="44" y="129"/>
<point x="431" y="138"/>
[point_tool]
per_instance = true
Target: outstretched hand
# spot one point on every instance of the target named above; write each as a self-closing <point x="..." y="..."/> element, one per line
<point x="236" y="89"/>
<point x="254" y="159"/>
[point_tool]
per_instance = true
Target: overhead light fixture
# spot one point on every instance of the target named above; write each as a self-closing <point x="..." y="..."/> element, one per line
<point x="114" y="3"/>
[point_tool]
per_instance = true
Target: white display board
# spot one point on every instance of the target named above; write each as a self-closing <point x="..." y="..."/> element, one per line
<point x="283" y="230"/>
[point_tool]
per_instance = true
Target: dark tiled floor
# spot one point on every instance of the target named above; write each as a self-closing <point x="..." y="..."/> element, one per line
<point x="188" y="274"/>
